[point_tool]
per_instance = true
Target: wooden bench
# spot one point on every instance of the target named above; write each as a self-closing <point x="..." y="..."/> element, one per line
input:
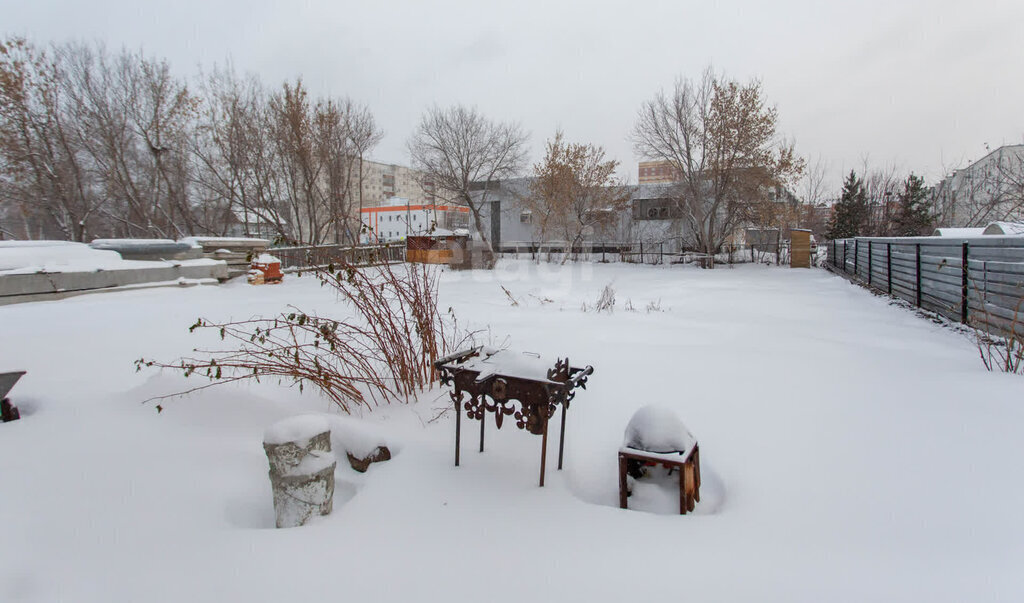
<point x="687" y="463"/>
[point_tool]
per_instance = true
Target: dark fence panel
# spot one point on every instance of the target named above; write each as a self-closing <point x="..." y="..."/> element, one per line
<point x="977" y="281"/>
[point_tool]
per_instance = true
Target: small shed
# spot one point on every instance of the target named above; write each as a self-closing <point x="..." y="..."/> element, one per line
<point x="437" y="247"/>
<point x="800" y="248"/>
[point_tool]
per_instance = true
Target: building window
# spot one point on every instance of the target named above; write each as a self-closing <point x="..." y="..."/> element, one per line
<point x="526" y="217"/>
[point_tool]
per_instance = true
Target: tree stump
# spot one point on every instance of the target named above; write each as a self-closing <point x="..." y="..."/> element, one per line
<point x="301" y="469"/>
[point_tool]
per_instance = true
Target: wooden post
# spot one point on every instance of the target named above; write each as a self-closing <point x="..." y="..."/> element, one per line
<point x="622" y="482"/>
<point x="964" y="301"/>
<point x="641" y="252"/>
<point x="888" y="266"/>
<point x="458" y="428"/>
<point x="683" y="502"/>
<point x="696" y="470"/>
<point x="561" y="438"/>
<point x="918" y="263"/>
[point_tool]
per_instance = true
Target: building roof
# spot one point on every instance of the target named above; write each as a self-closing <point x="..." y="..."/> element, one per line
<point x="958" y="233"/>
<point x="1004" y="228"/>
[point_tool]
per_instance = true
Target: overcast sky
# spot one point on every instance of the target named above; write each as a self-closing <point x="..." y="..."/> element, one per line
<point x="917" y="85"/>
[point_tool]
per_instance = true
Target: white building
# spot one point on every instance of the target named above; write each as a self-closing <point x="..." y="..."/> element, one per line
<point x="989" y="190"/>
<point x="398" y="218"/>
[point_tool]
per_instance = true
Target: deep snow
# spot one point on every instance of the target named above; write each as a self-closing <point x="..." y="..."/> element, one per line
<point x="851" y="451"/>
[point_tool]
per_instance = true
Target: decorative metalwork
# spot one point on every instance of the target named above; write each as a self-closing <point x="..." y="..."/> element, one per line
<point x="478" y="405"/>
<point x="538" y="398"/>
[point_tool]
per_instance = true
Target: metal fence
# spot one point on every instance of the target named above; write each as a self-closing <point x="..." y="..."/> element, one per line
<point x="658" y="252"/>
<point x="978" y="281"/>
<point x="299" y="258"/>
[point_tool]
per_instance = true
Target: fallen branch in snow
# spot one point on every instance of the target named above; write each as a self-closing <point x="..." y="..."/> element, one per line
<point x="384" y="353"/>
<point x="508" y="294"/>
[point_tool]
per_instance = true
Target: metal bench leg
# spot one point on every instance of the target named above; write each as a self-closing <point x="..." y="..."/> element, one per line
<point x="482" y="417"/>
<point x="458" y="429"/>
<point x="543" y="449"/>
<point x="561" y="438"/>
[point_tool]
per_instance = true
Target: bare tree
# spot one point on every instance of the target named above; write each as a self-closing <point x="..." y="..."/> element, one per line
<point x="95" y="143"/>
<point x="46" y="177"/>
<point x="881" y="189"/>
<point x="720" y="138"/>
<point x="574" y="191"/>
<point x="363" y="136"/>
<point x="462" y="152"/>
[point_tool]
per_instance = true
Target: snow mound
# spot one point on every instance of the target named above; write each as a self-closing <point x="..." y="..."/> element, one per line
<point x="657" y="429"/>
<point x="355" y="437"/>
<point x="266" y="258"/>
<point x="298" y="429"/>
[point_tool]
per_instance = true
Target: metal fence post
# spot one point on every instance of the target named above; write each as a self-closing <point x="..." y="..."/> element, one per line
<point x="888" y="266"/>
<point x="918" y="262"/>
<point x="856" y="257"/>
<point x="869" y="263"/>
<point x="963" y="285"/>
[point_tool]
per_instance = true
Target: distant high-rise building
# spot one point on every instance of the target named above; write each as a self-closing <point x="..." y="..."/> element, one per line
<point x="657" y="172"/>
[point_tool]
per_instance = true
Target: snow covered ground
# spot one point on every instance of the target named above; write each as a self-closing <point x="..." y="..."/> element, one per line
<point x="851" y="451"/>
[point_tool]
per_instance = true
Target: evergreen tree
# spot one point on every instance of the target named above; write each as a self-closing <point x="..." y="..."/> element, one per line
<point x="851" y="212"/>
<point x="915" y="213"/>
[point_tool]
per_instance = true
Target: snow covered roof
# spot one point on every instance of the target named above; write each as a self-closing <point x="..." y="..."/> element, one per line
<point x="28" y="257"/>
<point x="18" y="244"/>
<point x="1004" y="228"/>
<point x="226" y="241"/>
<point x="136" y="246"/>
<point x="959" y="233"/>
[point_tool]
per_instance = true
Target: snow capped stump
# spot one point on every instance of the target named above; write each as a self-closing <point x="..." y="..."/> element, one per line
<point x="301" y="469"/>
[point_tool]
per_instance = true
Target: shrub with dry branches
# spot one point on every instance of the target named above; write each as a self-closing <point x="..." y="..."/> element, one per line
<point x="384" y="352"/>
<point x="1005" y="352"/>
